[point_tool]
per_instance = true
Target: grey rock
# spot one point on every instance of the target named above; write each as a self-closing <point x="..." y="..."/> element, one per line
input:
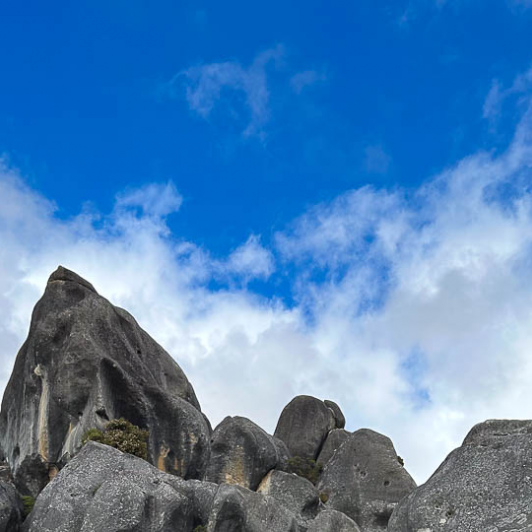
<point x="32" y="475"/>
<point x="236" y="509"/>
<point x="334" y="440"/>
<point x="333" y="521"/>
<point x="102" y="489"/>
<point x="10" y="508"/>
<point x="85" y="362"/>
<point x="483" y="486"/>
<point x="296" y="494"/>
<point x="365" y="481"/>
<point x="303" y="426"/>
<point x="337" y="412"/>
<point x="283" y="454"/>
<point x="241" y="453"/>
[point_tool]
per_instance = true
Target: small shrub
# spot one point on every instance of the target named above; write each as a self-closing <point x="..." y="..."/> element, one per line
<point x="305" y="467"/>
<point x="122" y="435"/>
<point x="28" y="502"/>
<point x="400" y="460"/>
<point x="323" y="497"/>
<point x="200" y="528"/>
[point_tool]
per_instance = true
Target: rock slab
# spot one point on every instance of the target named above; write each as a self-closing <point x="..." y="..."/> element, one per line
<point x="483" y="486"/>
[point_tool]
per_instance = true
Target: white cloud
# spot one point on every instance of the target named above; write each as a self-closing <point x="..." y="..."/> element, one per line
<point x="414" y="308"/>
<point x="205" y="85"/>
<point x="305" y="79"/>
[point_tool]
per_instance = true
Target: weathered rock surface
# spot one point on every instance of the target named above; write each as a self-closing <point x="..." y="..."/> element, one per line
<point x="334" y="440"/>
<point x="333" y="521"/>
<point x="236" y="509"/>
<point x="86" y="362"/>
<point x="339" y="417"/>
<point x="304" y="424"/>
<point x="483" y="486"/>
<point x="102" y="489"/>
<point x="296" y="494"/>
<point x="365" y="481"/>
<point x="241" y="453"/>
<point x="10" y="508"/>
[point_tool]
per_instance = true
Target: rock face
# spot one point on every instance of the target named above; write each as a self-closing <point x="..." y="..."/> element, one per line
<point x="236" y="509"/>
<point x="304" y="425"/>
<point x="365" y="481"/>
<point x="241" y="453"/>
<point x="339" y="417"/>
<point x="334" y="440"/>
<point x="86" y="362"/>
<point x="10" y="508"/>
<point x="484" y="485"/>
<point x="296" y="494"/>
<point x="333" y="521"/>
<point x="106" y="490"/>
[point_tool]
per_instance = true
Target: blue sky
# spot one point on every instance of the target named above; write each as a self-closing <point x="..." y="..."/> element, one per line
<point x="318" y="198"/>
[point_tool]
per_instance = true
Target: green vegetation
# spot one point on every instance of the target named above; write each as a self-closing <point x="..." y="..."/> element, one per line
<point x="305" y="467"/>
<point x="122" y="435"/>
<point x="200" y="528"/>
<point x="323" y="497"/>
<point x="28" y="502"/>
<point x="400" y="460"/>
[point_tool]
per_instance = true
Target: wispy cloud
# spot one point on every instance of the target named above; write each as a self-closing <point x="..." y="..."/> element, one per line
<point x="305" y="79"/>
<point x="205" y="86"/>
<point x="377" y="160"/>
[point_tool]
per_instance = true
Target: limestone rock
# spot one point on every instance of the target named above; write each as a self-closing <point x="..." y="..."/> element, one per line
<point x="337" y="412"/>
<point x="106" y="490"/>
<point x="236" y="509"/>
<point x="10" y="508"/>
<point x="365" y="481"/>
<point x="241" y="453"/>
<point x="483" y="486"/>
<point x="334" y="440"/>
<point x="303" y="425"/>
<point x="296" y="494"/>
<point x="86" y="362"/>
<point x="333" y="521"/>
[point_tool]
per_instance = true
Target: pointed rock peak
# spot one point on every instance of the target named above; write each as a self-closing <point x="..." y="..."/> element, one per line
<point x="63" y="274"/>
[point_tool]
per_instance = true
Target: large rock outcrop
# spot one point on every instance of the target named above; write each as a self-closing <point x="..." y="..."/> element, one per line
<point x="365" y="480"/>
<point x="104" y="490"/>
<point x="334" y="440"/>
<point x="304" y="424"/>
<point x="85" y="362"/>
<point x="241" y="453"/>
<point x="333" y="521"/>
<point x="483" y="486"/>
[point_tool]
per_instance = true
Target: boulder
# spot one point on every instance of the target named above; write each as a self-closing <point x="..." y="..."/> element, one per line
<point x="32" y="475"/>
<point x="333" y="521"/>
<point x="365" y="480"/>
<point x="298" y="495"/>
<point x="484" y="485"/>
<point x="334" y="440"/>
<point x="241" y="453"/>
<point x="303" y="426"/>
<point x="236" y="509"/>
<point x="10" y="508"/>
<point x="106" y="490"/>
<point x="337" y="412"/>
<point x="85" y="362"/>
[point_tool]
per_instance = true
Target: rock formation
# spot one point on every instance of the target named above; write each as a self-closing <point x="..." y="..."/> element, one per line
<point x="365" y="480"/>
<point x="484" y="485"/>
<point x="304" y="425"/>
<point x="85" y="362"/>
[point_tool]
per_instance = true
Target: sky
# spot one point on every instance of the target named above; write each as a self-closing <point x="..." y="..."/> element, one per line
<point x="332" y="199"/>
